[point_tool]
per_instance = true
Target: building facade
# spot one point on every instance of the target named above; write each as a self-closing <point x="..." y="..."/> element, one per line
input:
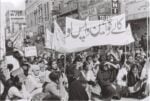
<point x="15" y="21"/>
<point x="39" y="14"/>
<point x="137" y="15"/>
<point x="99" y="9"/>
<point x="68" y="8"/>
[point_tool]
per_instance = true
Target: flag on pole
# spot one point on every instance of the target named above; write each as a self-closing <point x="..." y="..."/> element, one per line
<point x="48" y="39"/>
<point x="58" y="39"/>
<point x="18" y="40"/>
<point x="2" y="46"/>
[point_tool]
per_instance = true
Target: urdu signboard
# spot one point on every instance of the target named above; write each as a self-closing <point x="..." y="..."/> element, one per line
<point x="89" y="12"/>
<point x="98" y="9"/>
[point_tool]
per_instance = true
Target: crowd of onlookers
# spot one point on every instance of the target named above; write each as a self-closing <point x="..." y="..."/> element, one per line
<point x="113" y="74"/>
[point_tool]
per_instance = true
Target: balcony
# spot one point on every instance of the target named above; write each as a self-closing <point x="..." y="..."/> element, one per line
<point x="56" y="10"/>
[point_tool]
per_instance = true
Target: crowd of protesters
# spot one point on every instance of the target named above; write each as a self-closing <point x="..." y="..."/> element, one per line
<point x="114" y="74"/>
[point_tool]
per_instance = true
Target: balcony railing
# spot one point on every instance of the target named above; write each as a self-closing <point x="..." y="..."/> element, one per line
<point x="56" y="10"/>
<point x="70" y="7"/>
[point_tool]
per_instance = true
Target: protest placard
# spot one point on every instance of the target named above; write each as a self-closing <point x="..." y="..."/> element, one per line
<point x="30" y="51"/>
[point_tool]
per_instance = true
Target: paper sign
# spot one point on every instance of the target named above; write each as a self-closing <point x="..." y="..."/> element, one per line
<point x="30" y="51"/>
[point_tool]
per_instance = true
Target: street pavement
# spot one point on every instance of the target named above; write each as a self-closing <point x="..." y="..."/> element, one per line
<point x="128" y="99"/>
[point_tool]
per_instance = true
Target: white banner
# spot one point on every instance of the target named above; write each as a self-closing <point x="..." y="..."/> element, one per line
<point x="81" y="35"/>
<point x="94" y="33"/>
<point x="30" y="51"/>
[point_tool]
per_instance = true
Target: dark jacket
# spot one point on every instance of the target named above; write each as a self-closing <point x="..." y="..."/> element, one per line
<point x="132" y="80"/>
<point x="103" y="78"/>
<point x="77" y="92"/>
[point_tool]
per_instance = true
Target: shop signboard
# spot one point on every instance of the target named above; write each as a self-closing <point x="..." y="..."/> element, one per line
<point x="115" y="6"/>
<point x="89" y="12"/>
<point x="99" y="8"/>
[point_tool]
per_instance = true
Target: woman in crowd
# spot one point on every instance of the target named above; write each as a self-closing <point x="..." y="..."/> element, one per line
<point x="114" y="64"/>
<point x="90" y="61"/>
<point x="135" y="84"/>
<point x="129" y="62"/>
<point x="105" y="81"/>
<point x="86" y="73"/>
<point x="77" y="89"/>
<point x="140" y="60"/>
<point x="56" y="89"/>
<point x="17" y="90"/>
<point x="96" y="64"/>
<point x="54" y="66"/>
<point x="44" y="73"/>
<point x="121" y="78"/>
<point x="116" y="52"/>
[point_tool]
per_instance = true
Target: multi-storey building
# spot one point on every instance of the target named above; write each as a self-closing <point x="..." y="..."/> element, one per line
<point x="39" y="14"/>
<point x="15" y="21"/>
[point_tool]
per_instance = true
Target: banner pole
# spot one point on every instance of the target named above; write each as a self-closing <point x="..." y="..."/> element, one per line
<point x="147" y="33"/>
<point x="125" y="53"/>
<point x="65" y="60"/>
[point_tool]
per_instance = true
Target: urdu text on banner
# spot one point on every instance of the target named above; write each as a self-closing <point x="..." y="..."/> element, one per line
<point x="56" y="41"/>
<point x="113" y="31"/>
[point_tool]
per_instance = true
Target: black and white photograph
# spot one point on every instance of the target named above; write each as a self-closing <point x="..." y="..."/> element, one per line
<point x="74" y="50"/>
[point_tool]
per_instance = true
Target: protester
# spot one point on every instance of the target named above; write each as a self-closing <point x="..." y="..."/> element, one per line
<point x="54" y="66"/>
<point x="77" y="92"/>
<point x="134" y="80"/>
<point x="105" y="82"/>
<point x="33" y="82"/>
<point x="143" y="42"/>
<point x="96" y="64"/>
<point x="17" y="91"/>
<point x="2" y="84"/>
<point x="56" y="89"/>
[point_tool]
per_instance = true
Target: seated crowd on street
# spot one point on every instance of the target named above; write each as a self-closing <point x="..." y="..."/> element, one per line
<point x="116" y="73"/>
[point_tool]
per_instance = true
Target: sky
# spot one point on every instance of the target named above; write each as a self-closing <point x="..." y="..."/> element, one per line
<point x="18" y="4"/>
